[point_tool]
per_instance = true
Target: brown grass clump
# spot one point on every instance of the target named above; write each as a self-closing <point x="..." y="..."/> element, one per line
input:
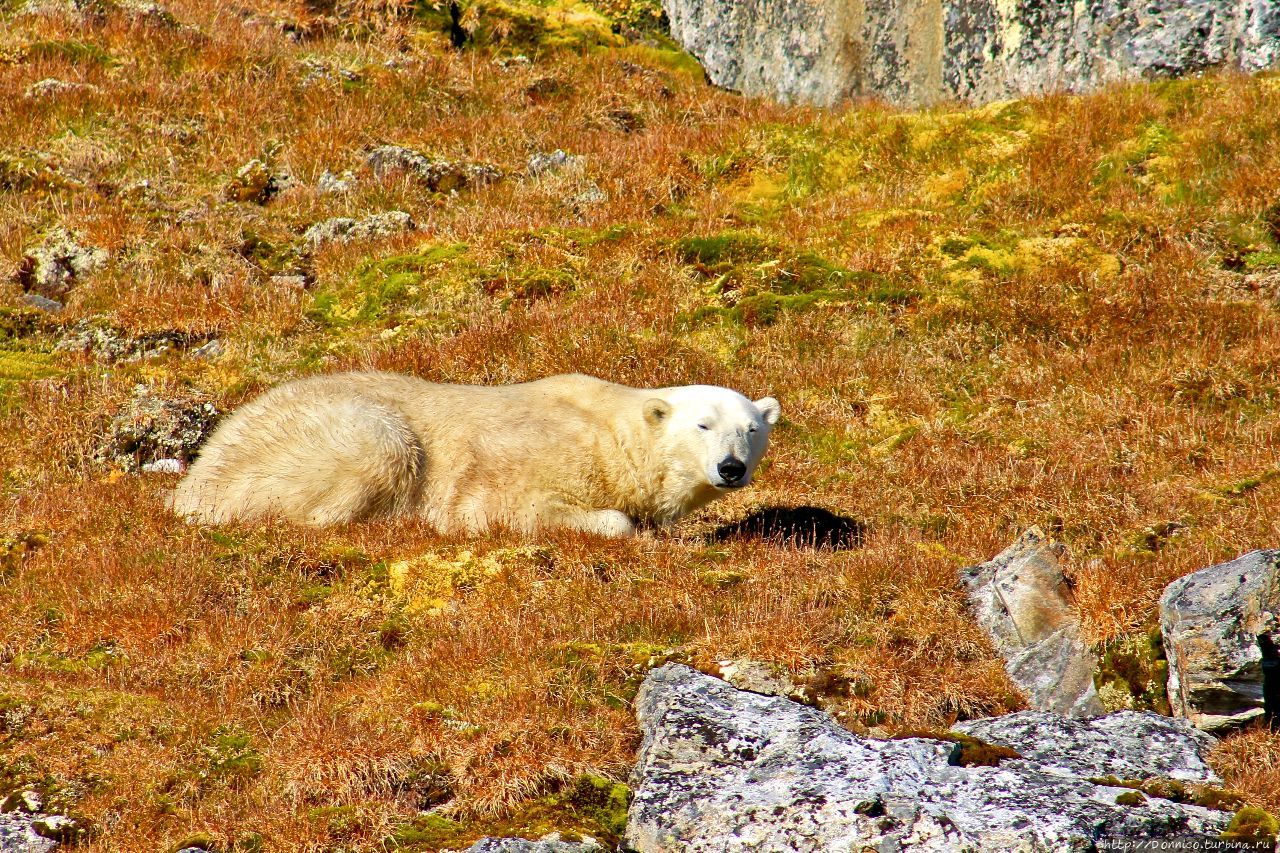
<point x="1059" y="312"/>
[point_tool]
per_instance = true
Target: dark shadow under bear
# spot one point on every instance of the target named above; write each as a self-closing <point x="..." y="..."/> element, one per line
<point x="801" y="526"/>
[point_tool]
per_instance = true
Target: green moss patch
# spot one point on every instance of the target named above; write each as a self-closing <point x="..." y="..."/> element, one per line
<point x="1132" y="673"/>
<point x="1252" y="824"/>
<point x="379" y="289"/>
<point x="754" y="281"/>
<point x="1177" y="791"/>
<point x="74" y="52"/>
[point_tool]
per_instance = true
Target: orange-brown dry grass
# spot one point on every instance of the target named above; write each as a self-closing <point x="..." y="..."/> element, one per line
<point x="1098" y="393"/>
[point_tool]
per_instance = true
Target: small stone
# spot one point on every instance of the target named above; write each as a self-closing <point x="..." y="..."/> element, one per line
<point x="256" y="181"/>
<point x="210" y="351"/>
<point x="44" y="303"/>
<point x="151" y="428"/>
<point x="53" y="268"/>
<point x="438" y="175"/>
<point x="757" y="677"/>
<point x="164" y="466"/>
<point x="557" y="161"/>
<point x="56" y="827"/>
<point x="289" y="282"/>
<point x="590" y="194"/>
<point x="331" y="183"/>
<point x="345" y="230"/>
<point x="323" y="71"/>
<point x="550" y="843"/>
<point x="52" y="87"/>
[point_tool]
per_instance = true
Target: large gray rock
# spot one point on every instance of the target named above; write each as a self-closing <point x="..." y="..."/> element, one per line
<point x="52" y="268"/>
<point x="726" y="770"/>
<point x="1221" y="628"/>
<point x="914" y="52"/>
<point x="1126" y="744"/>
<point x="1020" y="598"/>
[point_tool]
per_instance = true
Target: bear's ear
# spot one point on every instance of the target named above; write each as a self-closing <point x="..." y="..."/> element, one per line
<point x="770" y="409"/>
<point x="656" y="411"/>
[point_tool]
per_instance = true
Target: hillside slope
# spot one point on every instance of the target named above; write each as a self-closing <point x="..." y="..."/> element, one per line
<point x="1062" y="312"/>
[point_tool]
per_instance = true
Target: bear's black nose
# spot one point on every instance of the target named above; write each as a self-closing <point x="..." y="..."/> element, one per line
<point x="732" y="470"/>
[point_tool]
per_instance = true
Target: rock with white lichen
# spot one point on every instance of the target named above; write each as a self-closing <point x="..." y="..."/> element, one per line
<point x="725" y="770"/>
<point x="437" y="174"/>
<point x="154" y="431"/>
<point x="547" y="844"/>
<point x="343" y="229"/>
<point x="54" y="267"/>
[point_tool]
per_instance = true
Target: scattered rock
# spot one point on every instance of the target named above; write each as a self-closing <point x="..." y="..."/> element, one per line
<point x="547" y="844"/>
<point x="53" y="268"/>
<point x="1221" y="629"/>
<point x="438" y="175"/>
<point x="557" y="161"/>
<point x="1021" y="599"/>
<point x="802" y="526"/>
<point x="97" y="10"/>
<point x="590" y="194"/>
<point x="324" y="71"/>
<point x="164" y="466"/>
<point x="331" y="183"/>
<point x="56" y="827"/>
<point x="104" y="342"/>
<point x="211" y="351"/>
<point x="726" y="770"/>
<point x="151" y="428"/>
<point x="344" y="230"/>
<point x="257" y="181"/>
<point x="980" y="50"/>
<point x="289" y="282"/>
<point x="52" y="87"/>
<point x="43" y="303"/>
<point x="1126" y="744"/>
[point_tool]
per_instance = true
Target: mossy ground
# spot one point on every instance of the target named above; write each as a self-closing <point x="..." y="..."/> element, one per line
<point x="1060" y="311"/>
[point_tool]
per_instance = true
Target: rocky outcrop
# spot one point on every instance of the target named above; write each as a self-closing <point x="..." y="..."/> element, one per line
<point x="1221" y="629"/>
<point x="343" y="229"/>
<point x="913" y="53"/>
<point x="726" y="770"/>
<point x="1020" y="598"/>
<point x="442" y="176"/>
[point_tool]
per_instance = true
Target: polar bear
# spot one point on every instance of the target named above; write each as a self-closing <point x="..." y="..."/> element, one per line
<point x="568" y="451"/>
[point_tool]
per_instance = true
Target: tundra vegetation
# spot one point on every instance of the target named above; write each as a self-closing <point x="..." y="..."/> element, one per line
<point x="1061" y="311"/>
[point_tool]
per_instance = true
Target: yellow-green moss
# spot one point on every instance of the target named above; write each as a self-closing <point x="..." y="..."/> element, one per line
<point x="1132" y="674"/>
<point x="426" y="583"/>
<point x="969" y="751"/>
<point x="1252" y="824"/>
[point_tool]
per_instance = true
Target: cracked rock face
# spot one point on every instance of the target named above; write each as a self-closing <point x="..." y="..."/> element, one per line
<point x="1221" y="628"/>
<point x="1020" y="598"/>
<point x="725" y="770"/>
<point x="917" y="53"/>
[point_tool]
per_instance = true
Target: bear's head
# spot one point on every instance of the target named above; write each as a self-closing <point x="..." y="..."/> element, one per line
<point x="710" y="440"/>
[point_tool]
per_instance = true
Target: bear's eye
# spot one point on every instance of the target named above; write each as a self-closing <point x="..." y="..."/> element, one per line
<point x="751" y="428"/>
<point x="703" y="426"/>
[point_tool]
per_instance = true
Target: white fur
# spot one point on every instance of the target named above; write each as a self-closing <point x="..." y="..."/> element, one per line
<point x="567" y="451"/>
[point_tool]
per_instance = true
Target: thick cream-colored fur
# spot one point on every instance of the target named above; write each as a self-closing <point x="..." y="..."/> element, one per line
<point x="567" y="451"/>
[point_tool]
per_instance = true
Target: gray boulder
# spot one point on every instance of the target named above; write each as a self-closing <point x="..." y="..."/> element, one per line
<point x="1126" y="744"/>
<point x="913" y="53"/>
<point x="1021" y="599"/>
<point x="1221" y="628"/>
<point x="726" y="770"/>
<point x="443" y="176"/>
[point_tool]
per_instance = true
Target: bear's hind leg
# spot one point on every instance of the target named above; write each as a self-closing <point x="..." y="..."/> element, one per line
<point x="605" y="522"/>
